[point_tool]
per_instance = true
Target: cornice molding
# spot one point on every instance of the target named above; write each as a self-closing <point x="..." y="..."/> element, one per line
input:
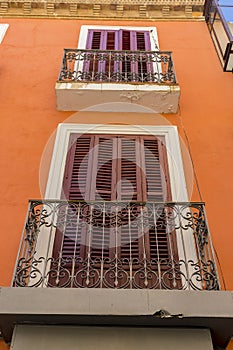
<point x="116" y="2"/>
<point x="104" y="9"/>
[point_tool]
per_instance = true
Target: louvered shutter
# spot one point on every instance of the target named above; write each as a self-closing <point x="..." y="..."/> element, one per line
<point x="128" y="190"/>
<point x="156" y="176"/>
<point x="156" y="184"/>
<point x="102" y="39"/>
<point x="78" y="168"/>
<point x="89" y="175"/>
<point x="103" y="188"/>
<point x="127" y="169"/>
<point x="70" y="239"/>
<point x="134" y="40"/>
<point x="135" y="68"/>
<point x="143" y="164"/>
<point x="106" y="168"/>
<point x="103" y="183"/>
<point x="99" y="64"/>
<point x="118" y="40"/>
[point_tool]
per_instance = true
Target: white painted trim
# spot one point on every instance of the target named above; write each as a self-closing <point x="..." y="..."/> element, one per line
<point x="152" y="31"/>
<point x="3" y="29"/>
<point x="175" y="165"/>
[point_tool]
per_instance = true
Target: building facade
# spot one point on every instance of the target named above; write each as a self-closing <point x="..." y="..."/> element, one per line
<point x="117" y="120"/>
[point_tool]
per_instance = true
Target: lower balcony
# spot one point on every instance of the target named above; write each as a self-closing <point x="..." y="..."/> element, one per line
<point x="89" y="78"/>
<point x="116" y="245"/>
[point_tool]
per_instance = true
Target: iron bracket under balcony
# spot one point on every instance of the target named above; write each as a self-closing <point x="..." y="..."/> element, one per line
<point x="89" y="78"/>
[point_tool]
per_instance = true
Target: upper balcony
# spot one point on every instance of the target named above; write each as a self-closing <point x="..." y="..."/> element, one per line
<point x="219" y="18"/>
<point x="92" y="77"/>
<point x="116" y="245"/>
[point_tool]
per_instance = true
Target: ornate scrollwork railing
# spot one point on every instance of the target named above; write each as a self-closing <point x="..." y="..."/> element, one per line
<point x="117" y="66"/>
<point x="116" y="245"/>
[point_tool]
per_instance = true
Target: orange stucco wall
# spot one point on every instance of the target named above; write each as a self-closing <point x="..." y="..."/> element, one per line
<point x="30" y="57"/>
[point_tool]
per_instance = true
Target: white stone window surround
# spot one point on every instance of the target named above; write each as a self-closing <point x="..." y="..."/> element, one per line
<point x="170" y="133"/>
<point x="3" y="29"/>
<point x="175" y="168"/>
<point x="84" y="31"/>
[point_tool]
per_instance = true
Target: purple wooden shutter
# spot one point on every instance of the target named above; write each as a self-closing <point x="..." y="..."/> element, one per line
<point x="94" y="39"/>
<point x="89" y="39"/>
<point x="90" y="170"/>
<point x="105" y="168"/>
<point x="129" y="170"/>
<point x="128" y="190"/>
<point x="145" y="69"/>
<point x="103" y="183"/>
<point x="77" y="169"/>
<point x="76" y="187"/>
<point x="92" y="65"/>
<point x="134" y="40"/>
<point x="100" y="65"/>
<point x="142" y="43"/>
<point x="134" y="69"/>
<point x="124" y="44"/>
<point x="124" y="39"/>
<point x="155" y="170"/>
<point x="147" y="41"/>
<point x="158" y="190"/>
<point x="102" y="40"/>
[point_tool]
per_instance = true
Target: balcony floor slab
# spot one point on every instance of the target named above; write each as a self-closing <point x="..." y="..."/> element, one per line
<point x="78" y="96"/>
<point x="154" y="308"/>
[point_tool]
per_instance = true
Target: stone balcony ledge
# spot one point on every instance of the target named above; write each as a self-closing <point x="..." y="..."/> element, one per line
<point x="154" y="308"/>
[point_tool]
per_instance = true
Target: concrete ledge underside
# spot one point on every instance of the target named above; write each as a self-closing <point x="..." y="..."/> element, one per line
<point x="54" y="306"/>
<point x="78" y="96"/>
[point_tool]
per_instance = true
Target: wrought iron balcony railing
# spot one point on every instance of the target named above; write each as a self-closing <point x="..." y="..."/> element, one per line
<point x="117" y="66"/>
<point x="116" y="245"/>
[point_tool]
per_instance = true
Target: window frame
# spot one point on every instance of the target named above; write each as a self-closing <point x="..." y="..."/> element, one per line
<point x="84" y="33"/>
<point x="170" y="133"/>
<point x="153" y="42"/>
<point x="45" y="244"/>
